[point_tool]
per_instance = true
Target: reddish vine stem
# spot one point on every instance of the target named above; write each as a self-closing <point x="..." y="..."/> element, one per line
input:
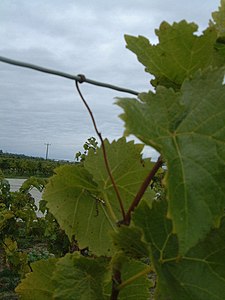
<point x="115" y="282"/>
<point x="142" y="190"/>
<point x="103" y="150"/>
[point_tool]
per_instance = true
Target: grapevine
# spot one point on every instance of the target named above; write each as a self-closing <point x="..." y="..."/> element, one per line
<point x="141" y="245"/>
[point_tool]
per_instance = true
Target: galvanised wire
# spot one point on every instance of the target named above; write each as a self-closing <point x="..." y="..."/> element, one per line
<point x="79" y="78"/>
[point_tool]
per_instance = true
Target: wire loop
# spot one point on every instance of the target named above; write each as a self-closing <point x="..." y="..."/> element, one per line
<point x="81" y="78"/>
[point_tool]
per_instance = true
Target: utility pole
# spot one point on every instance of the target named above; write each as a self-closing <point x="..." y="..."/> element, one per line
<point x="46" y="155"/>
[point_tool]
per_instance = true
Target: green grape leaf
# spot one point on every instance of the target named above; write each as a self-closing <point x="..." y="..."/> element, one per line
<point x="139" y="288"/>
<point x="33" y="182"/>
<point x="71" y="198"/>
<point x="135" y="281"/>
<point x="38" y="284"/>
<point x="127" y="167"/>
<point x="187" y="127"/>
<point x="219" y="24"/>
<point x="199" y="274"/>
<point x="129" y="240"/>
<point x="82" y="198"/>
<point x="79" y="277"/>
<point x="5" y="214"/>
<point x="179" y="53"/>
<point x="218" y="17"/>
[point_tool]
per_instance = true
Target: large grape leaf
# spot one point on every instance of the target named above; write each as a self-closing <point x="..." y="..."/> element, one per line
<point x="135" y="281"/>
<point x="83" y="200"/>
<point x="129" y="240"/>
<point x="188" y="128"/>
<point x="38" y="284"/>
<point x="81" y="278"/>
<point x="70" y="277"/>
<point x="179" y="53"/>
<point x="139" y="288"/>
<point x="127" y="167"/>
<point x="72" y="197"/>
<point x="199" y="274"/>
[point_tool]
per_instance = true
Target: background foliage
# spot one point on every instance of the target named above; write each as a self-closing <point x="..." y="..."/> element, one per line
<point x="16" y="165"/>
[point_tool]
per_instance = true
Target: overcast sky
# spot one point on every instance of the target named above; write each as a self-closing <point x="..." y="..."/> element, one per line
<point x="76" y="37"/>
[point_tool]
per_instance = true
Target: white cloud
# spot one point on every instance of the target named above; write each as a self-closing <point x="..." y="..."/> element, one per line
<point x="75" y="37"/>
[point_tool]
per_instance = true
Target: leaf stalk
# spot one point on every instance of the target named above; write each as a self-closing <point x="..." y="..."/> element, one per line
<point x="142" y="190"/>
<point x="134" y="278"/>
<point x="103" y="150"/>
<point x="116" y="281"/>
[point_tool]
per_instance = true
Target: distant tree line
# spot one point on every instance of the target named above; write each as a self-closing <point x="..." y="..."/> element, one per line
<point x="19" y="165"/>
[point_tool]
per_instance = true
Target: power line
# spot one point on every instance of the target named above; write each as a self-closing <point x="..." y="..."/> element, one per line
<point x="80" y="78"/>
